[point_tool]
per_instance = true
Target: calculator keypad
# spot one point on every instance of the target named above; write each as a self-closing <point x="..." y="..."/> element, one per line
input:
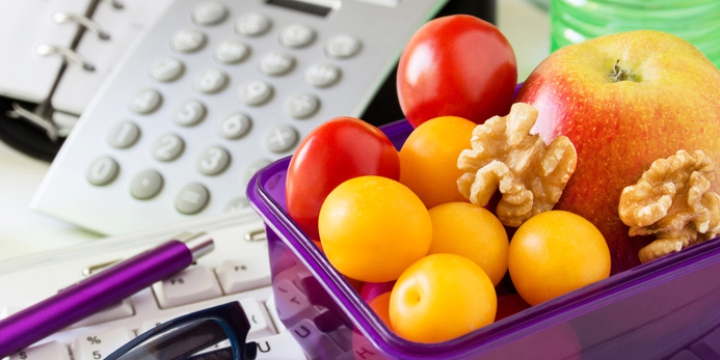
<point x="215" y="160"/>
<point x="216" y="87"/>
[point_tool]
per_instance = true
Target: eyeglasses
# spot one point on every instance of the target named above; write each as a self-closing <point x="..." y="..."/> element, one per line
<point x="190" y="336"/>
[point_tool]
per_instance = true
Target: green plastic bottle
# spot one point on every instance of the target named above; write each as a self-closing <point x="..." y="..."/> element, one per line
<point x="697" y="21"/>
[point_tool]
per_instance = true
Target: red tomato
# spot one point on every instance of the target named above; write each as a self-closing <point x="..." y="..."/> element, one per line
<point x="338" y="150"/>
<point x="457" y="65"/>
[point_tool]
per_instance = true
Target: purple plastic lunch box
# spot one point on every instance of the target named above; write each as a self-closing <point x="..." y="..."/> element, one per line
<point x="666" y="309"/>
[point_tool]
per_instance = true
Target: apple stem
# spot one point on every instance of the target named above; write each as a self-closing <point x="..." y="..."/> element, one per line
<point x="620" y="74"/>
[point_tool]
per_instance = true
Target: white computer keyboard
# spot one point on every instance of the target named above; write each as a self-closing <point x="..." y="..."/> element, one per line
<point x="237" y="270"/>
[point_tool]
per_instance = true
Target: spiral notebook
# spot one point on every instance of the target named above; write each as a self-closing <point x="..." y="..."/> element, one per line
<point x="60" y="51"/>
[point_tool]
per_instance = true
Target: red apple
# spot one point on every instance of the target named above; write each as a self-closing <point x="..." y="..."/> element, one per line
<point x="624" y="100"/>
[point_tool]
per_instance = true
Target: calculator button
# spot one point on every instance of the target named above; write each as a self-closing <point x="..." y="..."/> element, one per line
<point x="188" y="40"/>
<point x="255" y="93"/>
<point x="342" y="46"/>
<point x="243" y="274"/>
<point x="102" y="171"/>
<point x="281" y="138"/>
<point x="236" y="204"/>
<point x="124" y="135"/>
<point x="190" y="285"/>
<point x="277" y="63"/>
<point x="146" y="184"/>
<point x="167" y="69"/>
<point x="235" y="126"/>
<point x="50" y="350"/>
<point x="211" y="81"/>
<point x="254" y="167"/>
<point x="192" y="198"/>
<point x="322" y="75"/>
<point x="213" y="161"/>
<point x="231" y="52"/>
<point x="100" y="343"/>
<point x="190" y="113"/>
<point x="297" y="36"/>
<point x="209" y="13"/>
<point x="146" y="101"/>
<point x="252" y="24"/>
<point x="168" y="147"/>
<point x="301" y="106"/>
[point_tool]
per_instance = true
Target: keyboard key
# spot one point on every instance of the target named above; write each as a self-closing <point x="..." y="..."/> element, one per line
<point x="342" y="46"/>
<point x="277" y="63"/>
<point x="281" y="138"/>
<point x="294" y="305"/>
<point x="325" y="347"/>
<point x="190" y="113"/>
<point x="238" y="275"/>
<point x="297" y="36"/>
<point x="684" y="355"/>
<point x="190" y="285"/>
<point x="146" y="184"/>
<point x="260" y="323"/>
<point x="231" y="52"/>
<point x="120" y="310"/>
<point x="270" y="306"/>
<point x="253" y="168"/>
<point x="255" y="93"/>
<point x="167" y="69"/>
<point x="709" y="346"/>
<point x="124" y="135"/>
<point x="213" y="161"/>
<point x="252" y="24"/>
<point x="211" y="81"/>
<point x="52" y="350"/>
<point x="209" y="13"/>
<point x="322" y="75"/>
<point x="235" y="126"/>
<point x="102" y="171"/>
<point x="168" y="147"/>
<point x="146" y="101"/>
<point x="192" y="198"/>
<point x="301" y="106"/>
<point x="237" y="204"/>
<point x="189" y="40"/>
<point x="279" y="347"/>
<point x="98" y="345"/>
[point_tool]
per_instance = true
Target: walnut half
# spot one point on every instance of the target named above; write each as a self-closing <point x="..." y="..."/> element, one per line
<point x="506" y="157"/>
<point x="673" y="201"/>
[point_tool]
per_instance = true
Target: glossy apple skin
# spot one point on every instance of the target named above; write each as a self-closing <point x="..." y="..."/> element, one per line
<point x="620" y="128"/>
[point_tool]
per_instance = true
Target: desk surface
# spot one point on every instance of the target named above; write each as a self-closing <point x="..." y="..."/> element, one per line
<point x="23" y="231"/>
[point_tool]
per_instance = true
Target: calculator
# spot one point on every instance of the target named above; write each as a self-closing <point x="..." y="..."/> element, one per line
<point x="212" y="92"/>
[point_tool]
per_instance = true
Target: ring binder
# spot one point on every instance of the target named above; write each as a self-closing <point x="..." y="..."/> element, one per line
<point x="19" y="112"/>
<point x="39" y="70"/>
<point x="117" y="4"/>
<point x="67" y="53"/>
<point x="63" y="17"/>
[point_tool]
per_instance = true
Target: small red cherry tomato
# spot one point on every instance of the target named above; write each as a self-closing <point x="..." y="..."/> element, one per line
<point x="335" y="151"/>
<point x="457" y="65"/>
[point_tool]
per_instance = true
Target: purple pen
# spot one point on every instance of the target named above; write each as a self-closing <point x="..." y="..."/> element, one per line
<point x="99" y="291"/>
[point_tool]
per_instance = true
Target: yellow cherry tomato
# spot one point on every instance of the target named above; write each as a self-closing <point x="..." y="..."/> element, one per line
<point x="473" y="232"/>
<point x="428" y="158"/>
<point x="372" y="228"/>
<point x="441" y="297"/>
<point x="556" y="252"/>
